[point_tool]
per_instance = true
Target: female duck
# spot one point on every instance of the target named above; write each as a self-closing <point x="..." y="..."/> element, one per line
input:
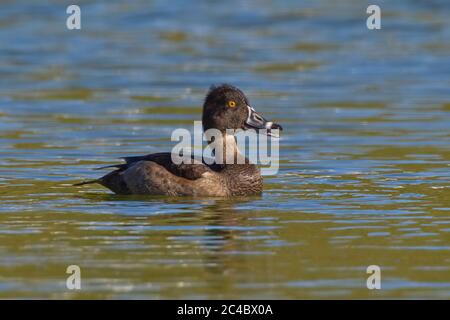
<point x="225" y="107"/>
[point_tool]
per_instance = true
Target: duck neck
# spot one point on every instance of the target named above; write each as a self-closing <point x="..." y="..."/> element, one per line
<point x="226" y="151"/>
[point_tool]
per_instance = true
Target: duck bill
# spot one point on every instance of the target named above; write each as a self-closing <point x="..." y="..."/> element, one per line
<point x="256" y="121"/>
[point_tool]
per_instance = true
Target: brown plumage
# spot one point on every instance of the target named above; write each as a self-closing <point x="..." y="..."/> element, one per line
<point x="156" y="174"/>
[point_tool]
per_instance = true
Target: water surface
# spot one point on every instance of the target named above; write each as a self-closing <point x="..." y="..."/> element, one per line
<point x="364" y="174"/>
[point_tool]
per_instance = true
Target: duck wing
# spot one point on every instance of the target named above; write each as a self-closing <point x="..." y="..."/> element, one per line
<point x="191" y="171"/>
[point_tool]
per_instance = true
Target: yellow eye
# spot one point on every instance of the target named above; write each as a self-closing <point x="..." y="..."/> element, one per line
<point x="231" y="104"/>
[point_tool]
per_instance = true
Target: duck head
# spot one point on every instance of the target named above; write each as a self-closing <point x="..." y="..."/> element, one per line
<point x="227" y="107"/>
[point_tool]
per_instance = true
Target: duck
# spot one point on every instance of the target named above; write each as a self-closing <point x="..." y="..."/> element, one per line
<point x="226" y="108"/>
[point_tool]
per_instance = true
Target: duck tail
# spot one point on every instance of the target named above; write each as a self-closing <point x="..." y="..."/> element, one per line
<point x="86" y="182"/>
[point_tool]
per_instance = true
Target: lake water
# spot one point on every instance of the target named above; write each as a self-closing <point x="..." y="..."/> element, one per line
<point x="364" y="177"/>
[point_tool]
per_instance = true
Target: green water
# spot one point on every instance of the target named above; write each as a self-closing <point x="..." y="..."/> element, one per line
<point x="364" y="173"/>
